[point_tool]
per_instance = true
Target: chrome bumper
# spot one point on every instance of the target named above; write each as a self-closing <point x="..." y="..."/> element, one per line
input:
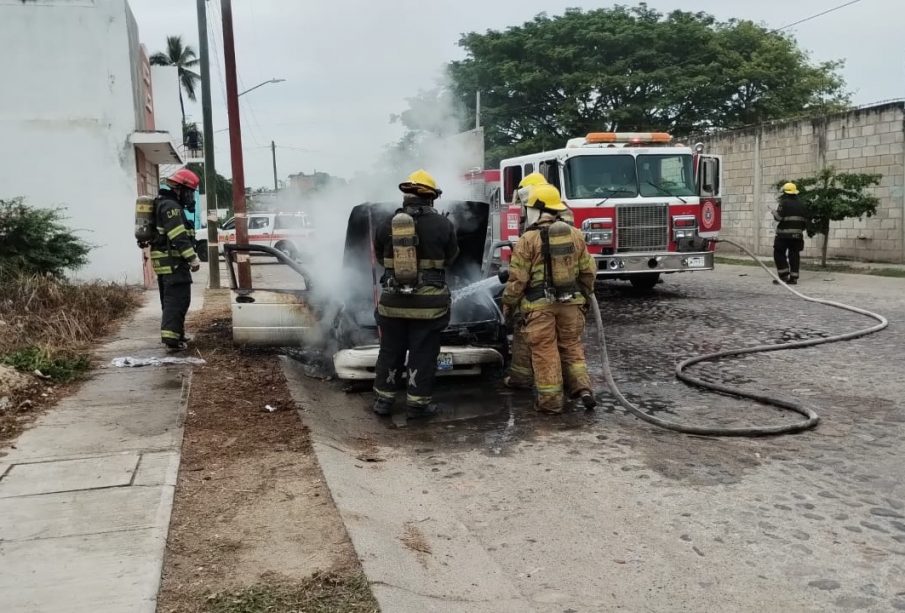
<point x="358" y="363"/>
<point x="666" y="262"/>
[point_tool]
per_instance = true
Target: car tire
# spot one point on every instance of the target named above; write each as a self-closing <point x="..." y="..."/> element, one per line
<point x="201" y="250"/>
<point x="288" y="249"/>
<point x="645" y="281"/>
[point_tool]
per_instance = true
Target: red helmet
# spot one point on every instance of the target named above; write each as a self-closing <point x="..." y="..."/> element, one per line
<point x="185" y="177"/>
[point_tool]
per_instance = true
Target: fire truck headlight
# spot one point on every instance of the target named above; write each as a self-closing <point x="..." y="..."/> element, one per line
<point x="600" y="237"/>
<point x="684" y="234"/>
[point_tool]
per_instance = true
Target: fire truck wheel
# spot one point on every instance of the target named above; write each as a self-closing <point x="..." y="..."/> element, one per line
<point x="645" y="281"/>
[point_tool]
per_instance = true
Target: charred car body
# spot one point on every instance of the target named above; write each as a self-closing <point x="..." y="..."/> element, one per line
<point x="345" y="328"/>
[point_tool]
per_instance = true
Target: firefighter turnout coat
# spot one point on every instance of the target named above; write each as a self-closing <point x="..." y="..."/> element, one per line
<point x="552" y="325"/>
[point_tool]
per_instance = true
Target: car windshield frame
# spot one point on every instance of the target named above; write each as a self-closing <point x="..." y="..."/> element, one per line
<point x="621" y="172"/>
<point x="653" y="185"/>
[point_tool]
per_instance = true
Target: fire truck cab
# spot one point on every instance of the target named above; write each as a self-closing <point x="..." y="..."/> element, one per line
<point x="646" y="205"/>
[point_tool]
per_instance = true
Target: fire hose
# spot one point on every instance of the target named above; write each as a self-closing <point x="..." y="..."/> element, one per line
<point x="811" y="419"/>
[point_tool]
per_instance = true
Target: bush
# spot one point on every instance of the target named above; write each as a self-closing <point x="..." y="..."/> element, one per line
<point x="48" y="324"/>
<point x="61" y="368"/>
<point x="36" y="241"/>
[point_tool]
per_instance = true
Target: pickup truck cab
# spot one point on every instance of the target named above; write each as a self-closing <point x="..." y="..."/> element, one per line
<point x="289" y="233"/>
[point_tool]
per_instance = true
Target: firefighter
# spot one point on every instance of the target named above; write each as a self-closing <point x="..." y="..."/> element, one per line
<point x="792" y="216"/>
<point x="520" y="375"/>
<point x="551" y="274"/>
<point x="173" y="254"/>
<point x="415" y="247"/>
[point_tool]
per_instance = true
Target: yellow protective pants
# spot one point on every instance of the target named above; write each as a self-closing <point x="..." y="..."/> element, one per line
<point x="554" y="336"/>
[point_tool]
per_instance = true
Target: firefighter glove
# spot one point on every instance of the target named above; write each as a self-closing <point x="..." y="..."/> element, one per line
<point x="195" y="265"/>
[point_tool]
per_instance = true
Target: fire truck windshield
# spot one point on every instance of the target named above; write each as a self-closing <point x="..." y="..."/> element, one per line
<point x="592" y="176"/>
<point x="621" y="175"/>
<point x="668" y="174"/>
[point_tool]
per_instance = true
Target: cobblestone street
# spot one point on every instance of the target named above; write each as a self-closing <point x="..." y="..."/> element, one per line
<point x="590" y="512"/>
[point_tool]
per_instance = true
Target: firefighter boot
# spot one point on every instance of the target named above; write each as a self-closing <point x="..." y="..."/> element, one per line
<point x="383" y="407"/>
<point x="588" y="400"/>
<point x="422" y="411"/>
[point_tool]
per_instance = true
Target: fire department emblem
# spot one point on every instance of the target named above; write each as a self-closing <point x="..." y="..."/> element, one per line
<point x="707" y="214"/>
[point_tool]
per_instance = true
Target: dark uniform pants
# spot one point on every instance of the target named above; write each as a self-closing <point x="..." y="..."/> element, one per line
<point x="175" y="298"/>
<point x="787" y="255"/>
<point x="420" y="338"/>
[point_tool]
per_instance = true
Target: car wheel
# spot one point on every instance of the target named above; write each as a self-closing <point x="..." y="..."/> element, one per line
<point x="201" y="250"/>
<point x="645" y="281"/>
<point x="288" y="249"/>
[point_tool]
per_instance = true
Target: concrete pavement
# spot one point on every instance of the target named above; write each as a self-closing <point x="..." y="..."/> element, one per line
<point x="494" y="508"/>
<point x="86" y="494"/>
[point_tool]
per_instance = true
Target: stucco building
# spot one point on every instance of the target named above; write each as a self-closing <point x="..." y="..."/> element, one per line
<point x="85" y="121"/>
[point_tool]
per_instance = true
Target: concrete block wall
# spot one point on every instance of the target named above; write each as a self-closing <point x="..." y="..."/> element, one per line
<point x="870" y="140"/>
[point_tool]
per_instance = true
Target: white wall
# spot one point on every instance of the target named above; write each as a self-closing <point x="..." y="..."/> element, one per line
<point x="167" y="114"/>
<point x="66" y="113"/>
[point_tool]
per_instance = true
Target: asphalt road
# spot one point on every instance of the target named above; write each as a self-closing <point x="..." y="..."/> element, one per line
<point x="599" y="512"/>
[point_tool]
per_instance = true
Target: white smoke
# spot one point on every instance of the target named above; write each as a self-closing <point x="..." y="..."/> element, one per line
<point x="435" y="143"/>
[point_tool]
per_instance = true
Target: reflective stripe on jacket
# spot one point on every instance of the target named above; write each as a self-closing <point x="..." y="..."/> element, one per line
<point x="527" y="271"/>
<point x="437" y="248"/>
<point x="792" y="215"/>
<point x="175" y="244"/>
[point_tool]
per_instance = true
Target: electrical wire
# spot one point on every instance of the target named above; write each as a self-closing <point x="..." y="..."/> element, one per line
<point x="821" y="14"/>
<point x="811" y="417"/>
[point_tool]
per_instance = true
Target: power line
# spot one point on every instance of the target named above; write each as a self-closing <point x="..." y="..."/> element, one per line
<point x="826" y="12"/>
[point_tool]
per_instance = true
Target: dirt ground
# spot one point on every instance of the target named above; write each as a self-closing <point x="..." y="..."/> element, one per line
<point x="254" y="527"/>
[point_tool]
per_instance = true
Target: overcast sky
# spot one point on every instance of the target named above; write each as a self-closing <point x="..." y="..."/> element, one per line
<point x="350" y="64"/>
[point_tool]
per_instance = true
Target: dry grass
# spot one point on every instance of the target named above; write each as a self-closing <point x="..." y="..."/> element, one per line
<point x="254" y="528"/>
<point x="51" y="323"/>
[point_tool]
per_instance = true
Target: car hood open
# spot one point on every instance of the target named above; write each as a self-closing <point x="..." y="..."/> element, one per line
<point x="471" y="319"/>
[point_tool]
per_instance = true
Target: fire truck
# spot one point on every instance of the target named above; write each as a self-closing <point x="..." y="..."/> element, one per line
<point x="645" y="204"/>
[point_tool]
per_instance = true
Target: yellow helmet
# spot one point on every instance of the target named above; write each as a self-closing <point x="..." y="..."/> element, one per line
<point x="535" y="178"/>
<point x="547" y="197"/>
<point x="790" y="188"/>
<point x="525" y="185"/>
<point x="421" y="183"/>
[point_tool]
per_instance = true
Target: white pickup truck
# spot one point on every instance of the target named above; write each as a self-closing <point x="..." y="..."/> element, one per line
<point x="286" y="232"/>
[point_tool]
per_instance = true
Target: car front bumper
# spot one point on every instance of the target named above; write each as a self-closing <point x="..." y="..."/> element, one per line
<point x="666" y="262"/>
<point x="359" y="363"/>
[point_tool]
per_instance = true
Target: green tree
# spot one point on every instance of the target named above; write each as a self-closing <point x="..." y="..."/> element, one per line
<point x="633" y="68"/>
<point x="832" y="196"/>
<point x="36" y="241"/>
<point x="184" y="58"/>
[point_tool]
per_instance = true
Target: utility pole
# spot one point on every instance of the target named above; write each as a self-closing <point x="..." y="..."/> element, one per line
<point x="235" y="143"/>
<point x="477" y="110"/>
<point x="210" y="171"/>
<point x="273" y="152"/>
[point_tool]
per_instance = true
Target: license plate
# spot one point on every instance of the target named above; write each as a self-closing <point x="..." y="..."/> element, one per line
<point x="697" y="261"/>
<point x="445" y="361"/>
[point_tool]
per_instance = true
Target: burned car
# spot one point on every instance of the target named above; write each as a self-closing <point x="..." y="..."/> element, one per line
<point x="344" y="326"/>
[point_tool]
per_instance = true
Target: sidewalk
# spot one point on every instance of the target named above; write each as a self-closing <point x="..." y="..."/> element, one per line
<point x="731" y="253"/>
<point x="86" y="494"/>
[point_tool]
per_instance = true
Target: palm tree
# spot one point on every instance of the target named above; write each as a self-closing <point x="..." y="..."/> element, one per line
<point x="184" y="58"/>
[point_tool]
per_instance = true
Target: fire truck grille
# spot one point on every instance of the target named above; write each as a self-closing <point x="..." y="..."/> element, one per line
<point x="642" y="227"/>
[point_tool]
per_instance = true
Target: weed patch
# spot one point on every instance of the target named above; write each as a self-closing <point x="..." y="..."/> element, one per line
<point x="321" y="593"/>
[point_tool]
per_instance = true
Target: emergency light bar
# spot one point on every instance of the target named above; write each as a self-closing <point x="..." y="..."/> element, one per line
<point x="594" y="138"/>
